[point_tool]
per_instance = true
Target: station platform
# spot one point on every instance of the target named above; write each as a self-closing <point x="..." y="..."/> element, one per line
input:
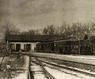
<point x="82" y="62"/>
<point x="86" y="59"/>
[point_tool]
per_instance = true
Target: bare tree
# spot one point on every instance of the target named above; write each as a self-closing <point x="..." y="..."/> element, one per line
<point x="10" y="29"/>
<point x="31" y="32"/>
<point x="49" y="30"/>
<point x="76" y="30"/>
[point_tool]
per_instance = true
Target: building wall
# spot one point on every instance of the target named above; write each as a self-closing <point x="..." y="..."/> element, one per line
<point x="23" y="45"/>
<point x="33" y="46"/>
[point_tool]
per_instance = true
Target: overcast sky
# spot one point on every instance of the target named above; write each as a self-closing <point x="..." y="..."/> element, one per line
<point x="27" y="14"/>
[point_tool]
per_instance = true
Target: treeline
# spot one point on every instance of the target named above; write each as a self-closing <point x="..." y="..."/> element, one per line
<point x="76" y="30"/>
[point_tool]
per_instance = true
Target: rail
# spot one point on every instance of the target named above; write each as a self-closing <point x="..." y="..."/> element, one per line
<point x="48" y="75"/>
<point x="68" y="68"/>
<point x="43" y="70"/>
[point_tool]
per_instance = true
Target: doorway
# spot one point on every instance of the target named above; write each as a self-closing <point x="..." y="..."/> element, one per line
<point x="18" y="47"/>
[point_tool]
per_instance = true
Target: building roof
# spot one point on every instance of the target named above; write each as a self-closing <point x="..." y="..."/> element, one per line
<point x="33" y="38"/>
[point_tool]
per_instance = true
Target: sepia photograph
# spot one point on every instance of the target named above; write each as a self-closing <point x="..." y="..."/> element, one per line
<point x="47" y="39"/>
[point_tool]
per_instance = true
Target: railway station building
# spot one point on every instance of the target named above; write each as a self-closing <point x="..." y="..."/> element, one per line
<point x="28" y="43"/>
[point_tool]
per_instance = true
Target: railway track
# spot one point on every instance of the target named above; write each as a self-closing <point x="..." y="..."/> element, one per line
<point x="48" y="75"/>
<point x="43" y="71"/>
<point x="47" y="65"/>
<point x="60" y="67"/>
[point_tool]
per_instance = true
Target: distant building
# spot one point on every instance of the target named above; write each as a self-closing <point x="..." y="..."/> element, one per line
<point x="28" y="43"/>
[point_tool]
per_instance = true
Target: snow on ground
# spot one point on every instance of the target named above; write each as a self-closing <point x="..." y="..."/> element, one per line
<point x="76" y="58"/>
<point x="62" y="75"/>
<point x="24" y="74"/>
<point x="39" y="76"/>
<point x="83" y="70"/>
<point x="57" y="73"/>
<point x="37" y="71"/>
<point x="21" y="76"/>
<point x="20" y="66"/>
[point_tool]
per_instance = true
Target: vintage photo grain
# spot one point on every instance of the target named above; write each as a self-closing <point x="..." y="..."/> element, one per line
<point x="47" y="39"/>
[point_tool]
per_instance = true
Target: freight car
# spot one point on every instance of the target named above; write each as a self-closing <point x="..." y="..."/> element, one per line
<point x="86" y="47"/>
<point x="76" y="47"/>
<point x="67" y="46"/>
<point x="45" y="47"/>
<point x="82" y="47"/>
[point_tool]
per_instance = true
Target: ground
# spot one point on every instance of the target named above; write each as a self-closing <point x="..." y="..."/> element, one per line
<point x="13" y="66"/>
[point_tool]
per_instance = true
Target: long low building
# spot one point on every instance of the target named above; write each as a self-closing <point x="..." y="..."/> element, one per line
<point x="28" y="43"/>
